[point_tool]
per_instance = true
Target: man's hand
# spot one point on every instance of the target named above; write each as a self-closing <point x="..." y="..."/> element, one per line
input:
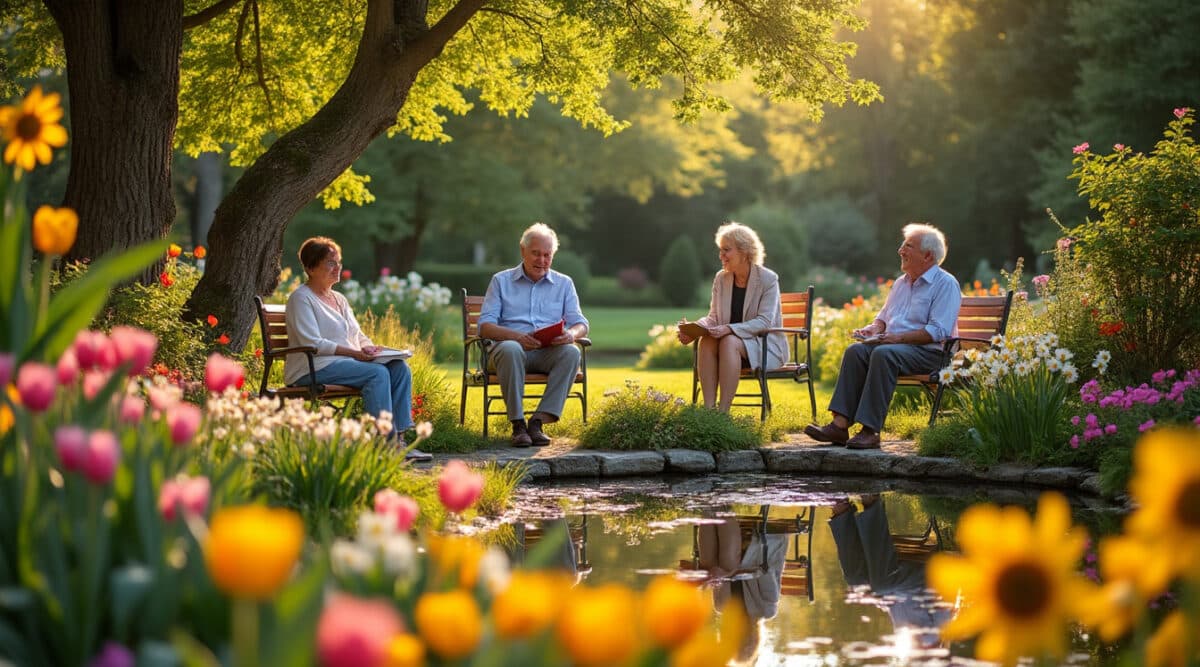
<point x="567" y="337"/>
<point x="528" y="342"/>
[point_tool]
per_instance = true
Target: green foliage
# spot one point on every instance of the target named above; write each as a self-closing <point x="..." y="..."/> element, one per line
<point x="834" y="287"/>
<point x="786" y="240"/>
<point x="606" y="291"/>
<point x="1144" y="250"/>
<point x="679" y="273"/>
<point x="409" y="300"/>
<point x="457" y="277"/>
<point x="576" y="267"/>
<point x="665" y="350"/>
<point x="839" y="234"/>
<point x="638" y="419"/>
<point x="831" y="329"/>
<point x="948" y="437"/>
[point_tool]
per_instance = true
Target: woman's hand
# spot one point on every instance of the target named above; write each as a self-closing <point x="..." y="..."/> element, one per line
<point x="720" y="331"/>
<point x="372" y="349"/>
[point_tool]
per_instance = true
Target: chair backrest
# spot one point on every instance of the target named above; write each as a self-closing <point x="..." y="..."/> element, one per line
<point x="797" y="308"/>
<point x="982" y="317"/>
<point x="471" y="305"/>
<point x="272" y="318"/>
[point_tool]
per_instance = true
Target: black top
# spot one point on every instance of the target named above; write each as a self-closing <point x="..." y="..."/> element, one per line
<point x="737" y="303"/>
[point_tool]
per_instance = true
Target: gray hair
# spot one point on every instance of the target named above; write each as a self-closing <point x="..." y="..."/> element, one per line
<point x="543" y="230"/>
<point x="932" y="239"/>
<point x="744" y="239"/>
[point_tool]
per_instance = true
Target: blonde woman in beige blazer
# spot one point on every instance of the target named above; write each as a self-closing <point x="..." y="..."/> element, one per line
<point x="731" y="342"/>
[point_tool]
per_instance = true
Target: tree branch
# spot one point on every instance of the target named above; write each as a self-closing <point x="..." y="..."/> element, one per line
<point x="258" y="60"/>
<point x="430" y="45"/>
<point x="207" y="14"/>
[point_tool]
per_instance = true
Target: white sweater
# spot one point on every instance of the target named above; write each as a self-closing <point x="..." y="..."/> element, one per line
<point x="311" y="321"/>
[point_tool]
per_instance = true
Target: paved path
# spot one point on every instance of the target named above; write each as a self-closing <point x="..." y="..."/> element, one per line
<point x="795" y="454"/>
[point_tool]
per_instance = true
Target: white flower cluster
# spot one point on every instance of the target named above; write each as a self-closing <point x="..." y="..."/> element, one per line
<point x="395" y="291"/>
<point x="259" y="419"/>
<point x="1101" y="361"/>
<point x="379" y="542"/>
<point x="1020" y="356"/>
<point x="824" y="317"/>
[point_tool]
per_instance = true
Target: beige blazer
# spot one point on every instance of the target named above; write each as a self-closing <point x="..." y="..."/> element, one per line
<point x="761" y="312"/>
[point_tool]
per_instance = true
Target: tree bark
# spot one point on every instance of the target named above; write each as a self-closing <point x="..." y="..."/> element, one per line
<point x="123" y="83"/>
<point x="246" y="239"/>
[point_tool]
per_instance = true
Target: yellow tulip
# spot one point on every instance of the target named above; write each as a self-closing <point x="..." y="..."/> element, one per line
<point x="405" y="650"/>
<point x="455" y="554"/>
<point x="596" y="625"/>
<point x="7" y="418"/>
<point x="251" y="550"/>
<point x="672" y="611"/>
<point x="54" y="229"/>
<point x="450" y="623"/>
<point x="529" y="604"/>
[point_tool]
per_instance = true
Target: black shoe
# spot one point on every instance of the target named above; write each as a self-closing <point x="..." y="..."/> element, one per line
<point x="520" y="436"/>
<point x="536" y="437"/>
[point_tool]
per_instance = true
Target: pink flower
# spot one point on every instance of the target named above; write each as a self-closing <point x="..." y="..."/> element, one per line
<point x="132" y="410"/>
<point x="70" y="443"/>
<point x="1063" y="244"/>
<point x="1040" y="281"/>
<point x="458" y="487"/>
<point x="1118" y="147"/>
<point x="1196" y="421"/>
<point x="134" y="347"/>
<point x="7" y="361"/>
<point x="354" y="632"/>
<point x="221" y="372"/>
<point x="36" y="383"/>
<point x="1110" y="429"/>
<point x="1081" y="148"/>
<point x="113" y="655"/>
<point x="103" y="453"/>
<point x="1146" y="426"/>
<point x="190" y="493"/>
<point x="385" y="271"/>
<point x="89" y="348"/>
<point x="93" y="381"/>
<point x="1181" y="112"/>
<point x="403" y="508"/>
<point x="1075" y="420"/>
<point x="161" y="398"/>
<point x="1075" y="442"/>
<point x="183" y="419"/>
<point x="67" y="367"/>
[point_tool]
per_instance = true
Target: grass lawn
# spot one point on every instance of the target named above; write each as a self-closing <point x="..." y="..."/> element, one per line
<point x="625" y="329"/>
<point x="909" y="413"/>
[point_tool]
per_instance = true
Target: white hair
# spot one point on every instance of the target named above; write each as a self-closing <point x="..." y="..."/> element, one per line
<point x="543" y="230"/>
<point x="932" y="239"/>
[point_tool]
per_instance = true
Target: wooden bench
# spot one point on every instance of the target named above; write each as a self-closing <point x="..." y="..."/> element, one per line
<point x="272" y="318"/>
<point x="979" y="319"/>
<point x="475" y="371"/>
<point x="797" y="310"/>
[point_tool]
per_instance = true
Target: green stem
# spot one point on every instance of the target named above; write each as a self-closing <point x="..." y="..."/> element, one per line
<point x="245" y="633"/>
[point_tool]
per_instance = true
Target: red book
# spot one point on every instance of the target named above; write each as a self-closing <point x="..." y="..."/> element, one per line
<point x="547" y="334"/>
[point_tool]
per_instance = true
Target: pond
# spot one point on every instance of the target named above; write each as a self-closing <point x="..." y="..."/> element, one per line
<point x="789" y="566"/>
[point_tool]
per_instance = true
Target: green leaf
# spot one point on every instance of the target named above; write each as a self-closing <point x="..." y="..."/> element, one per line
<point x="130" y="585"/>
<point x="76" y="305"/>
<point x="289" y="635"/>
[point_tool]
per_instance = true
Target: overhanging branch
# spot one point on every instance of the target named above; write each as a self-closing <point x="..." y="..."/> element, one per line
<point x="208" y="13"/>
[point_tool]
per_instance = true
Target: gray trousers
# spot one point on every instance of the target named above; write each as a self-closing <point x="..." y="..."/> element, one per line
<point x="510" y="361"/>
<point x="868" y="379"/>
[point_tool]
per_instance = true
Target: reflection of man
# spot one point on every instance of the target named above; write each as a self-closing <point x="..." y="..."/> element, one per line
<point x="868" y="558"/>
<point x="519" y="301"/>
<point x="905" y="339"/>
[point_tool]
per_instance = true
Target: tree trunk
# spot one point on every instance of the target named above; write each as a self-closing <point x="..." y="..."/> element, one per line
<point x="123" y="81"/>
<point x="208" y="195"/>
<point x="246" y="239"/>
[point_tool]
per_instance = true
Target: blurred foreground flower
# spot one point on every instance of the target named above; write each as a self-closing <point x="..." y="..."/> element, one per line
<point x="31" y="128"/>
<point x="1017" y="578"/>
<point x="54" y="229"/>
<point x="458" y="486"/>
<point x="251" y="550"/>
<point x="450" y="623"/>
<point x="356" y="633"/>
<point x="673" y="611"/>
<point x="1166" y="490"/>
<point x="530" y="603"/>
<point x="596" y="625"/>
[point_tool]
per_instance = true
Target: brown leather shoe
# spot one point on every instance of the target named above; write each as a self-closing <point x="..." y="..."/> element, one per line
<point x="536" y="436"/>
<point x="520" y="435"/>
<point x="864" y="440"/>
<point x="830" y="433"/>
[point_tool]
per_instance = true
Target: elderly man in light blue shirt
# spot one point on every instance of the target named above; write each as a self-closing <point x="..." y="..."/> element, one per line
<point x="905" y="339"/>
<point x="520" y="301"/>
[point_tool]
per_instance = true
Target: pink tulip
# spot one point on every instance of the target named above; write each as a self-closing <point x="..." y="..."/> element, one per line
<point x="89" y="348"/>
<point x="1180" y="112"/>
<point x="67" y="367"/>
<point x="190" y="493"/>
<point x="93" y="381"/>
<point x="161" y="398"/>
<point x="403" y="508"/>
<point x="221" y="372"/>
<point x="134" y="347"/>
<point x="7" y="361"/>
<point x="70" y="442"/>
<point x="103" y="453"/>
<point x="132" y="410"/>
<point x="385" y="271"/>
<point x="458" y="487"/>
<point x="184" y="420"/>
<point x="35" y="384"/>
<point x="354" y="632"/>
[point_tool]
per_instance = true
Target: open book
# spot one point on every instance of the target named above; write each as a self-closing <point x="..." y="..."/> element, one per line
<point x="692" y="329"/>
<point x="549" y="333"/>
<point x="389" y="354"/>
<point x="869" y="340"/>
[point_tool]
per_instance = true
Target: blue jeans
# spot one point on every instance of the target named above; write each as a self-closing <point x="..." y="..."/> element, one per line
<point x="384" y="386"/>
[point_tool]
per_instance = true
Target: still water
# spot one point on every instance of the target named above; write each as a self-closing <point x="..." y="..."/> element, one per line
<point x="846" y="591"/>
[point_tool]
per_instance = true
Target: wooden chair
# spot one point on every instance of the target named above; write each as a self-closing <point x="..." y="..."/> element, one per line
<point x="475" y="371"/>
<point x="273" y="320"/>
<point x="797" y="575"/>
<point x="578" y="533"/>
<point x="979" y="319"/>
<point x="919" y="548"/>
<point x="797" y="319"/>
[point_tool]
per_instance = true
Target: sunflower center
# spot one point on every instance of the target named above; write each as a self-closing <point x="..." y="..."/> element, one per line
<point x="28" y="127"/>
<point x="1023" y="590"/>
<point x="1187" y="507"/>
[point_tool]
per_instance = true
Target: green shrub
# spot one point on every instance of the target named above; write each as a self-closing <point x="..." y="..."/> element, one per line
<point x="416" y="303"/>
<point x="457" y="277"/>
<point x="835" y="287"/>
<point x="786" y="240"/>
<point x="639" y="419"/>
<point x="854" y="244"/>
<point x="679" y="272"/>
<point x="1144" y="250"/>
<point x="665" y="350"/>
<point x="576" y="267"/>
<point x="607" y="291"/>
<point x="947" y="437"/>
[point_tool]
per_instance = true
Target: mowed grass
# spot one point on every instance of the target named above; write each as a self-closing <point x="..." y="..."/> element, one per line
<point x="626" y="329"/>
<point x="791" y="410"/>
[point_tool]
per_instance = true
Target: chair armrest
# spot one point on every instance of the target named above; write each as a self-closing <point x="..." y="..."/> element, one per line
<point x="789" y="330"/>
<point x="585" y="341"/>
<point x="284" y="351"/>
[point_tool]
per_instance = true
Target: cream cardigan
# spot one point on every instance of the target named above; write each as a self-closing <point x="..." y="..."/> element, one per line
<point x="311" y="321"/>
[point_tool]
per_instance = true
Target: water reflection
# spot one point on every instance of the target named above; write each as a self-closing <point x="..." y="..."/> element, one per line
<point x="827" y="590"/>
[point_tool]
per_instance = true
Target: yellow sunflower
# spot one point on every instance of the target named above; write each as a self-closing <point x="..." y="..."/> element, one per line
<point x="1173" y="643"/>
<point x="1166" y="490"/>
<point x="1017" y="578"/>
<point x="31" y="129"/>
<point x="1132" y="576"/>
